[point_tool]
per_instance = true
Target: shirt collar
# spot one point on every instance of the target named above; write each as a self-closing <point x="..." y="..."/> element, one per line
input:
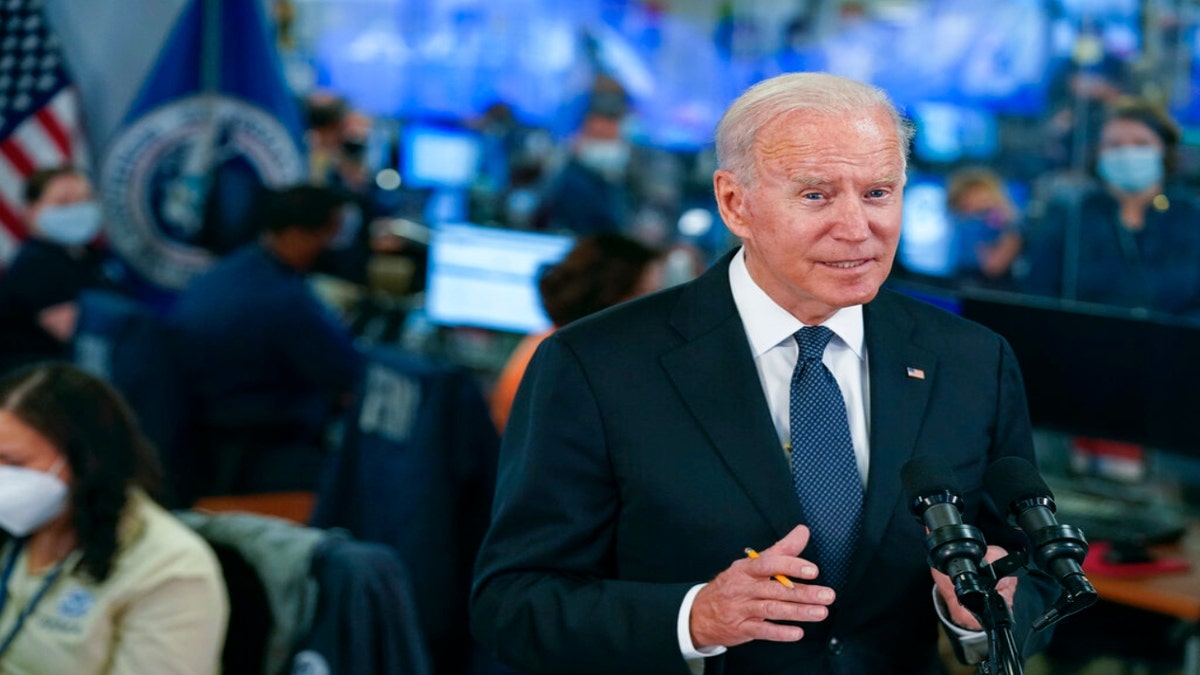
<point x="767" y="324"/>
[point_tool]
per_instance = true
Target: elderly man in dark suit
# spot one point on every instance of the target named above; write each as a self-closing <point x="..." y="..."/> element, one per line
<point x="770" y="403"/>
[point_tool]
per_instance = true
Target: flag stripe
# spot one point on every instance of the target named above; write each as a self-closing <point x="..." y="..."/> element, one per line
<point x="11" y="221"/>
<point x="39" y="119"/>
<point x="12" y="184"/>
<point x="12" y="225"/>
<point x="66" y="108"/>
<point x="55" y="131"/>
<point x="16" y="155"/>
<point x="35" y="140"/>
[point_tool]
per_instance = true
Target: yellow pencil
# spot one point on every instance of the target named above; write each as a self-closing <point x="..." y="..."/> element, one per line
<point x="753" y="555"/>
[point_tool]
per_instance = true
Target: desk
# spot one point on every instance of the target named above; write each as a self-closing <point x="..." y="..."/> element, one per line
<point x="1175" y="594"/>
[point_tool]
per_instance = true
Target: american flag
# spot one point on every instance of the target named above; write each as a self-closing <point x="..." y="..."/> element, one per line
<point x="39" y="119"/>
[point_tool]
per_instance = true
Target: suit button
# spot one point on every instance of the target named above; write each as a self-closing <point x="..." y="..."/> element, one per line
<point x="835" y="646"/>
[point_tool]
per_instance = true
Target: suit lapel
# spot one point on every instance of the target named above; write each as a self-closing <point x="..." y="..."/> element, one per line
<point x="726" y="399"/>
<point x="715" y="376"/>
<point x="902" y="374"/>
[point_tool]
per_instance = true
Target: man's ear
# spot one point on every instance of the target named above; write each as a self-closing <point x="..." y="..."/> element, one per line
<point x="731" y="202"/>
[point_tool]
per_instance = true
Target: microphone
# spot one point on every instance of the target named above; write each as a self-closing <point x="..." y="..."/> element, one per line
<point x="1059" y="549"/>
<point x="955" y="548"/>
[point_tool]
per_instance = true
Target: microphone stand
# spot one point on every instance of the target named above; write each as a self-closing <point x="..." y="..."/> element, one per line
<point x="983" y="601"/>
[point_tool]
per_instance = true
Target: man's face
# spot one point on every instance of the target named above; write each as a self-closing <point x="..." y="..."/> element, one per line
<point x="821" y="223"/>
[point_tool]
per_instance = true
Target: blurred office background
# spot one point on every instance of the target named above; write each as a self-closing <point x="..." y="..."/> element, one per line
<point x="476" y="142"/>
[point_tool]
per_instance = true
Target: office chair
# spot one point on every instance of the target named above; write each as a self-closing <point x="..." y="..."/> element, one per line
<point x="415" y="471"/>
<point x="317" y="601"/>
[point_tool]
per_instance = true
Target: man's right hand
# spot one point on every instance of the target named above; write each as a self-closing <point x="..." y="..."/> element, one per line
<point x="743" y="602"/>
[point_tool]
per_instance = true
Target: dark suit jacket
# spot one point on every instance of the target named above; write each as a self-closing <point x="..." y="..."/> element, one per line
<point x="640" y="459"/>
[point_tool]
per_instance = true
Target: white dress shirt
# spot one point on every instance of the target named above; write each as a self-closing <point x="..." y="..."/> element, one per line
<point x="770" y="328"/>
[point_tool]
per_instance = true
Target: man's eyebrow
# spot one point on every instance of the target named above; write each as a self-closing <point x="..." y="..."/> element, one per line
<point x="813" y="181"/>
<point x="894" y="177"/>
<point x="809" y="180"/>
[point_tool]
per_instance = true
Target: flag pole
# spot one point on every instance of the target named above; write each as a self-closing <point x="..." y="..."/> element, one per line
<point x="210" y="61"/>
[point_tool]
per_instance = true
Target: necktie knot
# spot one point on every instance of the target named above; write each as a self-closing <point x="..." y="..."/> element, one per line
<point x="812" y="341"/>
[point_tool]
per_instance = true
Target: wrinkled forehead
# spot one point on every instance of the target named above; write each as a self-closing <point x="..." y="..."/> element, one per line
<point x="868" y="133"/>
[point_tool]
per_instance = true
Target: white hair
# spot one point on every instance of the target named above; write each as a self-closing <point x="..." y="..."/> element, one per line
<point x="819" y="93"/>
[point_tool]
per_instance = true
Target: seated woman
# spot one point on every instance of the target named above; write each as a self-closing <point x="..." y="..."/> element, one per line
<point x="601" y="270"/>
<point x="987" y="227"/>
<point x="61" y="258"/>
<point x="96" y="577"/>
<point x="1132" y="241"/>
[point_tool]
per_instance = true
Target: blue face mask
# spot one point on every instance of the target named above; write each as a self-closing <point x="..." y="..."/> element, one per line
<point x="1131" y="168"/>
<point x="69" y="225"/>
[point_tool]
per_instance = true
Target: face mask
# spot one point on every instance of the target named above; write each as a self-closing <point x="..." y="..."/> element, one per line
<point x="354" y="150"/>
<point x="29" y="498"/>
<point x="608" y="158"/>
<point x="1131" y="168"/>
<point x="972" y="222"/>
<point x="70" y="225"/>
<point x="986" y="220"/>
<point x="520" y="206"/>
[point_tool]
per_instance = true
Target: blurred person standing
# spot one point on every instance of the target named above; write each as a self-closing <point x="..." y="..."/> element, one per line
<point x="589" y="194"/>
<point x="600" y="271"/>
<point x="264" y="360"/>
<point x="1081" y="89"/>
<point x="95" y="577"/>
<point x="987" y="227"/>
<point x="39" y="290"/>
<point x="324" y="114"/>
<point x="1132" y="240"/>
<point x="350" y="173"/>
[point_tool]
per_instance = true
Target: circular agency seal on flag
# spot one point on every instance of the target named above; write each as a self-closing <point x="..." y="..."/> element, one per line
<point x="156" y="179"/>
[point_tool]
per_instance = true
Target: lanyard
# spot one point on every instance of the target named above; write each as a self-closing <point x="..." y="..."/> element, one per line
<point x="9" y="566"/>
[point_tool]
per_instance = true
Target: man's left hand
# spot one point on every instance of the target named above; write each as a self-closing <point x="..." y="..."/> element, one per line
<point x="1007" y="587"/>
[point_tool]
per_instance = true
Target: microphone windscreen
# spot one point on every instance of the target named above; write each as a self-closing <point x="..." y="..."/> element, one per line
<point x="924" y="476"/>
<point x="1012" y="479"/>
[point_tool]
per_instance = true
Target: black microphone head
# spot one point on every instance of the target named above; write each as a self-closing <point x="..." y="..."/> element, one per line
<point x="923" y="476"/>
<point x="1010" y="480"/>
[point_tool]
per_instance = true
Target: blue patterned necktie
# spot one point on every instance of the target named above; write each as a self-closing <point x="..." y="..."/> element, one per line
<point x="824" y="470"/>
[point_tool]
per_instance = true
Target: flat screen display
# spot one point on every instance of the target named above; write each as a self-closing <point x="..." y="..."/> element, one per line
<point x="948" y="133"/>
<point x="488" y="278"/>
<point x="1099" y="371"/>
<point x="440" y="158"/>
<point x="927" y="232"/>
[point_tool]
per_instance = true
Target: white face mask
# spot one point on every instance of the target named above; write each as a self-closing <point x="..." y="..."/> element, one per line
<point x="70" y="225"/>
<point x="608" y="158"/>
<point x="30" y="498"/>
<point x="1131" y="168"/>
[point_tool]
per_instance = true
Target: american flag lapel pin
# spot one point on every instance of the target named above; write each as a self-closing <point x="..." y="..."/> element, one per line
<point x="915" y="373"/>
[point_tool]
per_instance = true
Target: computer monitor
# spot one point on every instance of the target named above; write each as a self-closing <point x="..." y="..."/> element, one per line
<point x="947" y="133"/>
<point x="1096" y="371"/>
<point x="488" y="278"/>
<point x="927" y="232"/>
<point x="440" y="157"/>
